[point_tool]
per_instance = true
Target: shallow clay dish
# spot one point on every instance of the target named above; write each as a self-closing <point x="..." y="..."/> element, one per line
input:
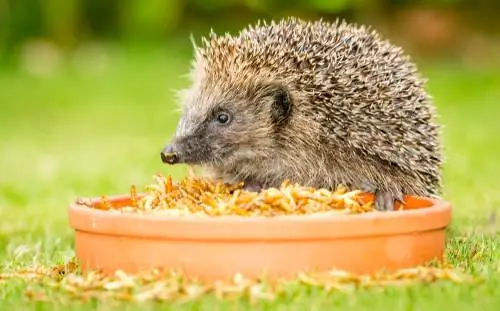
<point x="219" y="247"/>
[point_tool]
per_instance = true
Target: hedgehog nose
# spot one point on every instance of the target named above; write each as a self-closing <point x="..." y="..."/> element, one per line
<point x="169" y="155"/>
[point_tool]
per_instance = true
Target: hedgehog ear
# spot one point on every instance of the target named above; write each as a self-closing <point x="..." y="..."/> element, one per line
<point x="281" y="107"/>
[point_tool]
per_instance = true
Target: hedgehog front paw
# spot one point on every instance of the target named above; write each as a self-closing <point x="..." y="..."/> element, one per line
<point x="386" y="200"/>
<point x="252" y="186"/>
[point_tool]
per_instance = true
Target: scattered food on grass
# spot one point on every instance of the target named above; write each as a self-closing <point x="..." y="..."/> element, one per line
<point x="174" y="286"/>
<point x="198" y="196"/>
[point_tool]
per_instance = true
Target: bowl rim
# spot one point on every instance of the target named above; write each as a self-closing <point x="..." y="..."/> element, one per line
<point x="436" y="216"/>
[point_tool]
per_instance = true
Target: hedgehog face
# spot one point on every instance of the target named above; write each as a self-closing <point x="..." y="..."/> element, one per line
<point x="224" y="128"/>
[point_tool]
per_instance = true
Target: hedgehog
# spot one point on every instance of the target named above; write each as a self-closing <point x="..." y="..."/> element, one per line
<point x="321" y="104"/>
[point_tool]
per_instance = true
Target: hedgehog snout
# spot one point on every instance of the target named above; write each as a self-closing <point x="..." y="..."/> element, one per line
<point x="186" y="150"/>
<point x="170" y="155"/>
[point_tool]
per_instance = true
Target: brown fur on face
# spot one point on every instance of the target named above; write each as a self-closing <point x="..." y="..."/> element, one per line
<point x="317" y="103"/>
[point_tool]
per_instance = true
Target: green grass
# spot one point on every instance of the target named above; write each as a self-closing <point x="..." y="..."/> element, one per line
<point x="82" y="134"/>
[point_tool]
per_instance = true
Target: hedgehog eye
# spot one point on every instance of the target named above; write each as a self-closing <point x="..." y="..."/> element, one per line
<point x="223" y="117"/>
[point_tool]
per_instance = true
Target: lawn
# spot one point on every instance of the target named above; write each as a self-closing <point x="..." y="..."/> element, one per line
<point x="79" y="132"/>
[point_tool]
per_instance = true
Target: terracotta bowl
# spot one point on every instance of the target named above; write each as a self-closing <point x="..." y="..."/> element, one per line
<point x="219" y="247"/>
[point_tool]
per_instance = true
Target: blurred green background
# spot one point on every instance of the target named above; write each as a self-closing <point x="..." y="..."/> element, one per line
<point x="87" y="88"/>
<point x="451" y="28"/>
